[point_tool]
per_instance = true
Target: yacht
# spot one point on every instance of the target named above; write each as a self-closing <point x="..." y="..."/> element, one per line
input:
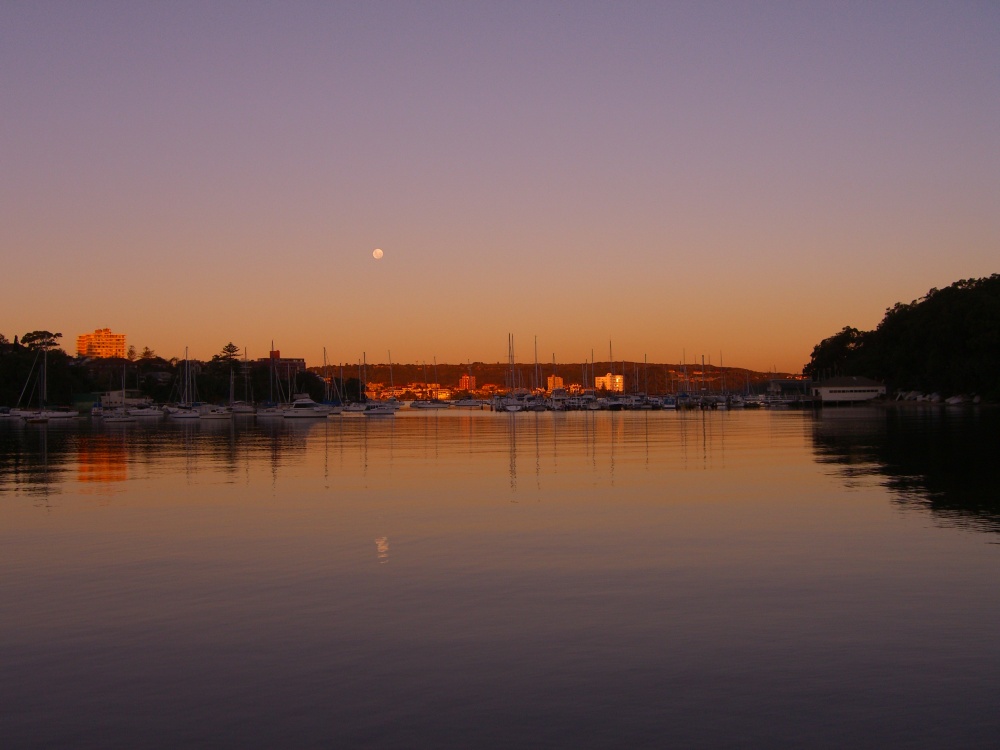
<point x="181" y="411"/>
<point x="209" y="411"/>
<point x="306" y="408"/>
<point x="145" y="411"/>
<point x="242" y="408"/>
<point x="431" y="403"/>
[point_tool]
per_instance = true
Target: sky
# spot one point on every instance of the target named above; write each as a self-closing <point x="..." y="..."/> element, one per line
<point x="734" y="180"/>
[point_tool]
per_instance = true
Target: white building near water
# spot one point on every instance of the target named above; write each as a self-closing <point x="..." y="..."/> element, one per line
<point x="848" y="389"/>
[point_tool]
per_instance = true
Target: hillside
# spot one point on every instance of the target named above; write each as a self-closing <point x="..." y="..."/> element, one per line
<point x="947" y="342"/>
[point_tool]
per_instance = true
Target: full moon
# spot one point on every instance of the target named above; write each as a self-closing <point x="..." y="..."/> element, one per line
<point x="377" y="253"/>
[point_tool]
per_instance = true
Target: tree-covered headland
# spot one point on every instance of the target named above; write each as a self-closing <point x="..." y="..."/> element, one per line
<point x="946" y="342"/>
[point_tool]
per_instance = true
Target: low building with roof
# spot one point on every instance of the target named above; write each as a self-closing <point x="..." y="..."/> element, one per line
<point x="848" y="389"/>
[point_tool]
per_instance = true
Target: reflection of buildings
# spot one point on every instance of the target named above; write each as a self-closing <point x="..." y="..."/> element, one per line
<point x="382" y="549"/>
<point x="101" y="343"/>
<point x="609" y="382"/>
<point x="102" y="459"/>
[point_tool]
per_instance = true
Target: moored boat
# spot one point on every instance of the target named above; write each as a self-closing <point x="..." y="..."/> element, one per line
<point x="429" y="403"/>
<point x="306" y="408"/>
<point x="210" y="411"/>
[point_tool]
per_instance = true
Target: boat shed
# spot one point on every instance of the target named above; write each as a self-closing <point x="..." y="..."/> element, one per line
<point x="848" y="389"/>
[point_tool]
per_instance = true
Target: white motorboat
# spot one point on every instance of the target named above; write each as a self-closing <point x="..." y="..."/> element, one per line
<point x="66" y="413"/>
<point x="306" y="408"/>
<point x="181" y="411"/>
<point x="429" y="403"/>
<point x="146" y="411"/>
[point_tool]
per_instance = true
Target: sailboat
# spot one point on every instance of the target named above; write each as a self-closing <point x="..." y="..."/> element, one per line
<point x="429" y="403"/>
<point x="244" y="407"/>
<point x="334" y="405"/>
<point x="360" y="406"/>
<point x="43" y="413"/>
<point x="119" y="413"/>
<point x="185" y="408"/>
<point x="385" y="408"/>
<point x="511" y="402"/>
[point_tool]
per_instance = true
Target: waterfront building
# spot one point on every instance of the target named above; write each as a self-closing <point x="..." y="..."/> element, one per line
<point x="553" y="382"/>
<point x="467" y="383"/>
<point x="101" y="343"/>
<point x="848" y="388"/>
<point x="611" y="383"/>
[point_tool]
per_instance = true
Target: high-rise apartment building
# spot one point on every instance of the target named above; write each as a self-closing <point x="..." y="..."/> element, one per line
<point x="467" y="383"/>
<point x="554" y="381"/>
<point x="609" y="382"/>
<point x="101" y="343"/>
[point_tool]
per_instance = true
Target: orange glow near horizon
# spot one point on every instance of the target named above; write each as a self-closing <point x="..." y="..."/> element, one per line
<point x="680" y="180"/>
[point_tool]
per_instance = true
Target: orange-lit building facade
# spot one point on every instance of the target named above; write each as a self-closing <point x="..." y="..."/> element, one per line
<point x="609" y="382"/>
<point x="101" y="343"/>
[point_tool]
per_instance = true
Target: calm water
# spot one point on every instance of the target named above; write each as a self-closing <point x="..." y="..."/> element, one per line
<point x="757" y="579"/>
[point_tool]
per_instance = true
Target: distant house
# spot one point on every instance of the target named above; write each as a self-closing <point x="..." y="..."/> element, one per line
<point x="847" y="389"/>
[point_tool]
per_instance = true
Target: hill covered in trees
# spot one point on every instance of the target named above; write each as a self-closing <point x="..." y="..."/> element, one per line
<point x="947" y="342"/>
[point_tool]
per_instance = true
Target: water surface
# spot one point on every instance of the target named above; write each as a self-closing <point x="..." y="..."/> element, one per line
<point x="473" y="579"/>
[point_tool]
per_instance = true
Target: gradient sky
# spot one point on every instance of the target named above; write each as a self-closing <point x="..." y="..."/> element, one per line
<point x="743" y="178"/>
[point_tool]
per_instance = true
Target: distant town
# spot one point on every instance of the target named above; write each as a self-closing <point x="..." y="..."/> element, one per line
<point x="940" y="348"/>
<point x="107" y="372"/>
<point x="407" y="381"/>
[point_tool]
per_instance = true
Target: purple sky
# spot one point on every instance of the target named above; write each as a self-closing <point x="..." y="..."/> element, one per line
<point x="743" y="178"/>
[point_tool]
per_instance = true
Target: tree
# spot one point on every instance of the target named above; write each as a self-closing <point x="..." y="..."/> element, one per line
<point x="948" y="341"/>
<point x="40" y="340"/>
<point x="131" y="354"/>
<point x="835" y="355"/>
<point x="230" y="352"/>
<point x="147" y="353"/>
